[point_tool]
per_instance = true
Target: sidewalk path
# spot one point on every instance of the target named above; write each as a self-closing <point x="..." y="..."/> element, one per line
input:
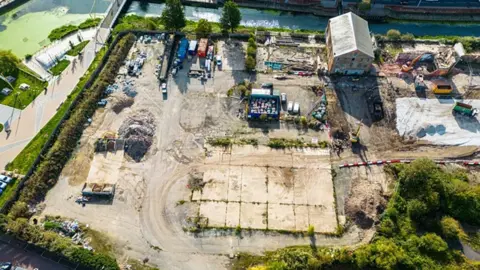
<point x="28" y="122"/>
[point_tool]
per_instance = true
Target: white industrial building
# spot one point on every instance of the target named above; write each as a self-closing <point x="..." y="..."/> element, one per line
<point x="349" y="45"/>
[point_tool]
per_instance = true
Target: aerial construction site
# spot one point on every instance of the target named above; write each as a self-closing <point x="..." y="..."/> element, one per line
<point x="192" y="158"/>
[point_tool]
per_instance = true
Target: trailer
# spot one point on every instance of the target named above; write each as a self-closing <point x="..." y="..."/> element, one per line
<point x="202" y="47"/>
<point x="182" y="49"/>
<point x="465" y="109"/>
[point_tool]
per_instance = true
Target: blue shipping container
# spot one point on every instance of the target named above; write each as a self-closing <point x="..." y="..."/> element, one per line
<point x="182" y="49"/>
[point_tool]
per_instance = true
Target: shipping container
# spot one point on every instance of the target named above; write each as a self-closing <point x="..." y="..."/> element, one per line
<point x="442" y="87"/>
<point x="202" y="47"/>
<point x="182" y="49"/>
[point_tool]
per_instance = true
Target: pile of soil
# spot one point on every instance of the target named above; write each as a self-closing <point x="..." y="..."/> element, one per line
<point x="364" y="203"/>
<point x="121" y="103"/>
<point x="138" y="131"/>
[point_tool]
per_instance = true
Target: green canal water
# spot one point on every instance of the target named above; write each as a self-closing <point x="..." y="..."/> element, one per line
<point x="24" y="30"/>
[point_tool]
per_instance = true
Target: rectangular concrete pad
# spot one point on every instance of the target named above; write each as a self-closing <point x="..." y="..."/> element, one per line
<point x="253" y="215"/>
<point x="233" y="215"/>
<point x="254" y="186"/>
<point x="196" y="195"/>
<point x="234" y="184"/>
<point x="217" y="184"/>
<point x="319" y="187"/>
<point x="323" y="219"/>
<point x="299" y="192"/>
<point x="281" y="217"/>
<point x="280" y="185"/>
<point x="301" y="217"/>
<point x="215" y="212"/>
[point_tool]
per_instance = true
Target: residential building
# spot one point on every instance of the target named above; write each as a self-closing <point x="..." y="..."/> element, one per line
<point x="349" y="45"/>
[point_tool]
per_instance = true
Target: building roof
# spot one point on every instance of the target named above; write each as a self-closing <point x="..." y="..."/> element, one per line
<point x="349" y="32"/>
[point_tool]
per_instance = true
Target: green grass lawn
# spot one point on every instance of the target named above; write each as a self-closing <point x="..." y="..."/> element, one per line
<point x="25" y="159"/>
<point x="59" y="67"/>
<point x="19" y="98"/>
<point x="77" y="48"/>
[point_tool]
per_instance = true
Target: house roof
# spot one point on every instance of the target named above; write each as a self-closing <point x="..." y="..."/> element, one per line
<point x="349" y="33"/>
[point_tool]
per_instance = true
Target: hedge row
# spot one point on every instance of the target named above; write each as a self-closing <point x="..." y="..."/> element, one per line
<point x="47" y="173"/>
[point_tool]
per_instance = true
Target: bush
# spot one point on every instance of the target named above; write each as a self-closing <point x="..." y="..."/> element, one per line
<point x="364" y="6"/>
<point x="393" y="34"/>
<point x="408" y="37"/>
<point x="61" y="32"/>
<point x="204" y="28"/>
<point x="28" y="57"/>
<point x="250" y="63"/>
<point x="311" y="230"/>
<point x="451" y="228"/>
<point x="252" y="52"/>
<point x="89" y="23"/>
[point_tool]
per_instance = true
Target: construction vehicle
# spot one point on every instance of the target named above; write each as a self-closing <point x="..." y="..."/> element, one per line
<point x="441" y="87"/>
<point x="409" y="66"/>
<point x="355" y="136"/>
<point x="465" y="109"/>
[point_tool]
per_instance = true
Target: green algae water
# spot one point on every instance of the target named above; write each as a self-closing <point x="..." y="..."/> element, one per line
<point x="24" y="30"/>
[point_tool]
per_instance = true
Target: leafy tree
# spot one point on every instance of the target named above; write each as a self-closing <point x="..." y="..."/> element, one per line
<point x="417" y="209"/>
<point x="364" y="6"/>
<point x="231" y="16"/>
<point x="393" y="34"/>
<point x="250" y="63"/>
<point x="433" y="243"/>
<point x="173" y="16"/>
<point x="451" y="228"/>
<point x="8" y="62"/>
<point x="251" y="52"/>
<point x="204" y="28"/>
<point x="384" y="254"/>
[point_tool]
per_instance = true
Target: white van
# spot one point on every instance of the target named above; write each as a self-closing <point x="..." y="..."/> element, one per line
<point x="290" y="106"/>
<point x="296" y="108"/>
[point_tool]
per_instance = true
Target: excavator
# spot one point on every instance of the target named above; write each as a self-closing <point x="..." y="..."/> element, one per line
<point x="355" y="136"/>
<point x="444" y="72"/>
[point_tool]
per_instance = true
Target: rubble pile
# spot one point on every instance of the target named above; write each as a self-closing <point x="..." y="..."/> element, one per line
<point x="138" y="131"/>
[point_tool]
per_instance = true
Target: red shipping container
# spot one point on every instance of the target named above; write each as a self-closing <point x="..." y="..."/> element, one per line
<point x="202" y="47"/>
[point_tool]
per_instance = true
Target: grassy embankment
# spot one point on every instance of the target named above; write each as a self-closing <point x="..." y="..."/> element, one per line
<point x="21" y="98"/>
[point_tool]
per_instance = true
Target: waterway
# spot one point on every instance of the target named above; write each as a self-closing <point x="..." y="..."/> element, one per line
<point x="25" y="29"/>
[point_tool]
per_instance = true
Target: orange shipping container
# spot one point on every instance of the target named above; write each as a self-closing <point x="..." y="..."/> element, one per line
<point x="202" y="47"/>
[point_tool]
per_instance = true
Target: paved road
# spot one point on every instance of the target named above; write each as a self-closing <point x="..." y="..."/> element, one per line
<point x="26" y="259"/>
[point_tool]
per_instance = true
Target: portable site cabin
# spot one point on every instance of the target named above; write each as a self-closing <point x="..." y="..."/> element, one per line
<point x="202" y="47"/>
<point x="192" y="48"/>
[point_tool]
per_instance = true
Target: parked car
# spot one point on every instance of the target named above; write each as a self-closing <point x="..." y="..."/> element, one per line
<point x="283" y="97"/>
<point x="296" y="108"/>
<point x="267" y="85"/>
<point x="5" y="179"/>
<point x="218" y="60"/>
<point x="1" y="191"/>
<point x="290" y="106"/>
<point x="164" y="88"/>
<point x="3" y="185"/>
<point x="5" y="265"/>
<point x="280" y="77"/>
<point x="102" y="103"/>
<point x="6" y="91"/>
<point x="24" y="86"/>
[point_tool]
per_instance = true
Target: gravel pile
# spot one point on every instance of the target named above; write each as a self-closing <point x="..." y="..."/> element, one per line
<point x="138" y="131"/>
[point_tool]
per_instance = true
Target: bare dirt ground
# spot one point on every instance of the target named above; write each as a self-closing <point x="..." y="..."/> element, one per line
<point x="153" y="207"/>
<point x="146" y="218"/>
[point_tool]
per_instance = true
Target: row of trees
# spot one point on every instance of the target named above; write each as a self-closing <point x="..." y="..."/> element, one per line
<point x="173" y="17"/>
